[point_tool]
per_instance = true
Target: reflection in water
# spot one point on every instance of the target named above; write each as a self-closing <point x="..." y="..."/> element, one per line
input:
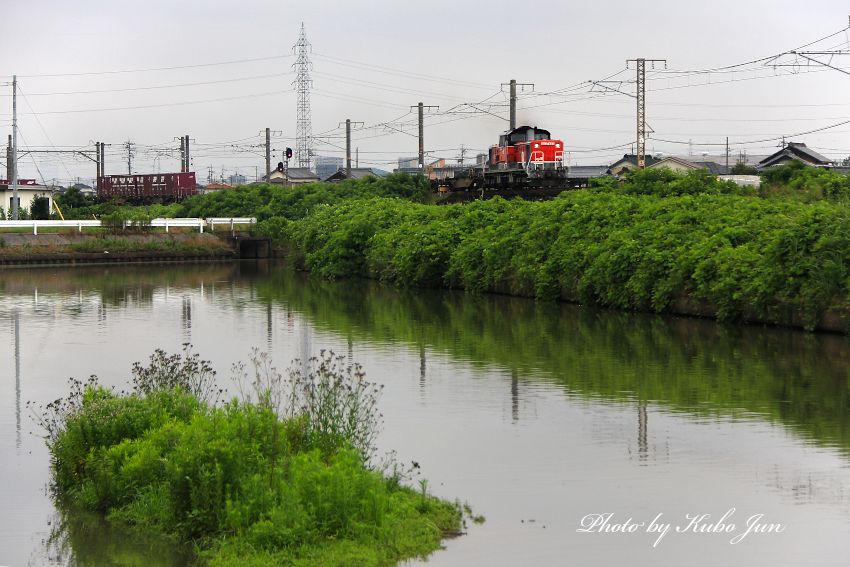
<point x="514" y="396"/>
<point x="16" y="316"/>
<point x="87" y="540"/>
<point x="643" y="447"/>
<point x="422" y="366"/>
<point x="695" y="366"/>
<point x="715" y="394"/>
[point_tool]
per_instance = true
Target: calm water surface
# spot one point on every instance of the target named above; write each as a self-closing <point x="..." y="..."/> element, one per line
<point x="536" y="414"/>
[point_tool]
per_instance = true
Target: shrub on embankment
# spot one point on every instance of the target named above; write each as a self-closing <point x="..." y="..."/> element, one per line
<point x="279" y="478"/>
<point x="737" y="257"/>
<point x="266" y="200"/>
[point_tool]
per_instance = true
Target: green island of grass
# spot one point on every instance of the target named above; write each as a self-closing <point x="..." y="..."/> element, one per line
<point x="284" y="475"/>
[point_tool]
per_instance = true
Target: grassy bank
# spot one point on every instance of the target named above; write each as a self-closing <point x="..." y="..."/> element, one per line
<point x="70" y="246"/>
<point x="672" y="243"/>
<point x="284" y="476"/>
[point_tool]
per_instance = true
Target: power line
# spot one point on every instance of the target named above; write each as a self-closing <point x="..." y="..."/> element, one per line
<point x="150" y="69"/>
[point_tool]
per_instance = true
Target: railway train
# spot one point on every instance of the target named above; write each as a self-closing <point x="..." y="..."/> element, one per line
<point x="146" y="188"/>
<point x="525" y="158"/>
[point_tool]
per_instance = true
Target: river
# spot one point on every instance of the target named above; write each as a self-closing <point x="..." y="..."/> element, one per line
<point x="539" y="415"/>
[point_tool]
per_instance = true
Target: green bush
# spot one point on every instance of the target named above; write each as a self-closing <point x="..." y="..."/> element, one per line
<point x="739" y="256"/>
<point x="238" y="479"/>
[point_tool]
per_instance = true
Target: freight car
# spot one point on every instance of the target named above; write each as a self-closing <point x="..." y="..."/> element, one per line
<point x="146" y="188"/>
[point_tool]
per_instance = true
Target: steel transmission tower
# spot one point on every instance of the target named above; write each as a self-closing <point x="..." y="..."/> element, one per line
<point x="302" y="83"/>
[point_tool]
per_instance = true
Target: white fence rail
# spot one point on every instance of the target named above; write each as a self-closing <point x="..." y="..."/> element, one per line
<point x="167" y="224"/>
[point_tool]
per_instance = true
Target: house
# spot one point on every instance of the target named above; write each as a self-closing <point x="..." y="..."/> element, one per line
<point x="356" y="173"/>
<point x="28" y="190"/>
<point x="580" y="175"/>
<point x="682" y="165"/>
<point x="795" y="151"/>
<point x="673" y="163"/>
<point x="213" y="187"/>
<point x="292" y="176"/>
<point x="628" y="163"/>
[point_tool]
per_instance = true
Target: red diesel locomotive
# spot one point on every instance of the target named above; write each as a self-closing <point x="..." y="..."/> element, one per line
<point x="525" y="158"/>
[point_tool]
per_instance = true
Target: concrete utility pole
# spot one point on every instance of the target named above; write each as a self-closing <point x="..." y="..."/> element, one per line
<point x="357" y="157"/>
<point x="513" y="85"/>
<point x="14" y="176"/>
<point x="727" y="155"/>
<point x="348" y="148"/>
<point x="188" y="161"/>
<point x="421" y="108"/>
<point x="182" y="154"/>
<point x="641" y="106"/>
<point x="348" y="124"/>
<point x="9" y="159"/>
<point x="128" y="145"/>
<point x="268" y="154"/>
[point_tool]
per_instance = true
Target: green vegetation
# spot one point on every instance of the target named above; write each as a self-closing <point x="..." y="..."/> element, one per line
<point x="40" y="208"/>
<point x="807" y="184"/>
<point x="266" y="201"/>
<point x="743" y="169"/>
<point x="651" y="243"/>
<point x="282" y="477"/>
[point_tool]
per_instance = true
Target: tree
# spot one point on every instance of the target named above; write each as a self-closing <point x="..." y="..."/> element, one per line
<point x="743" y="169"/>
<point x="40" y="208"/>
<point x="73" y="198"/>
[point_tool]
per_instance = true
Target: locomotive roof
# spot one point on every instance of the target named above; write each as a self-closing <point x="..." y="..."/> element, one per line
<point x="526" y="128"/>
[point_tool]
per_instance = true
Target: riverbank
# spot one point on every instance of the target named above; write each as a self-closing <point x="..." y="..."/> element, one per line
<point x="732" y="257"/>
<point x="72" y="248"/>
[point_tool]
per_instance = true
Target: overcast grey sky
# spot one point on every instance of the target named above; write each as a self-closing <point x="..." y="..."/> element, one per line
<point x="373" y="59"/>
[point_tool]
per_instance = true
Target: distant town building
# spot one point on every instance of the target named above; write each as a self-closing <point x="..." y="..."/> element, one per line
<point x="213" y="187"/>
<point x="292" y="176"/>
<point x="28" y="190"/>
<point x="328" y="165"/>
<point x="408" y="163"/>
<point x="628" y="163"/>
<point x="795" y="151"/>
<point x="356" y="173"/>
<point x="237" y="179"/>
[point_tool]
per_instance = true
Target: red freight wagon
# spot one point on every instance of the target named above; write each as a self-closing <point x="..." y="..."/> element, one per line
<point x="147" y="187"/>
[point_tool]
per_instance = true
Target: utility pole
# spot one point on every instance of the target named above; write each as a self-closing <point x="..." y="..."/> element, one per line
<point x="102" y="159"/>
<point x="9" y="159"/>
<point x="357" y="157"/>
<point x="727" y="155"/>
<point x="97" y="158"/>
<point x="641" y="106"/>
<point x="462" y="156"/>
<point x="421" y="108"/>
<point x="268" y="154"/>
<point x="186" y="155"/>
<point x="182" y="154"/>
<point x="128" y="145"/>
<point x="348" y="148"/>
<point x="513" y="85"/>
<point x="14" y="176"/>
<point x="348" y="125"/>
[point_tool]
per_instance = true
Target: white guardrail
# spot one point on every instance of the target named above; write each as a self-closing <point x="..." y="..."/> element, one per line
<point x="156" y="223"/>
